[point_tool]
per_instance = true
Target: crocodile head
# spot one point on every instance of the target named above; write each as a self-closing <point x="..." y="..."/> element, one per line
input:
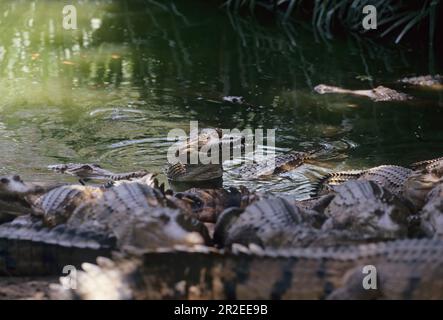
<point x="200" y="158"/>
<point x="418" y="185"/>
<point x="14" y="186"/>
<point x="161" y="227"/>
<point x="13" y="192"/>
<point x="323" y="88"/>
<point x="87" y="171"/>
<point x="81" y="170"/>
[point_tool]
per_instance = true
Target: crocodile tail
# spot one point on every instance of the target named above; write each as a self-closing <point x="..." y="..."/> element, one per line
<point x="27" y="247"/>
<point x="255" y="273"/>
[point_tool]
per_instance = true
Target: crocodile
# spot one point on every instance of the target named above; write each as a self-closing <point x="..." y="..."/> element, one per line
<point x="207" y="204"/>
<point x="422" y="181"/>
<point x="377" y="94"/>
<point x="235" y="100"/>
<point x="132" y="213"/>
<point x="412" y="184"/>
<point x="367" y="208"/>
<point x="432" y="81"/>
<point x="274" y="165"/>
<point x="432" y="213"/>
<point x="405" y="269"/>
<point x="391" y="177"/>
<point x="214" y="140"/>
<point x="276" y="222"/>
<point x="139" y="215"/>
<point x="88" y="171"/>
<point x="188" y="165"/>
<point x="360" y="211"/>
<point x="13" y="196"/>
<point x="28" y="247"/>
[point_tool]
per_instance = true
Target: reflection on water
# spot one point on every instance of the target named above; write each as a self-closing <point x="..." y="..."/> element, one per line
<point x="111" y="90"/>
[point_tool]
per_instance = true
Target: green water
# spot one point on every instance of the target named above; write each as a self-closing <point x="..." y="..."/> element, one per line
<point x="110" y="91"/>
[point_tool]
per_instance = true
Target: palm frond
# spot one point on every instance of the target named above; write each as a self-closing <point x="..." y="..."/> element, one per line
<point x="395" y="17"/>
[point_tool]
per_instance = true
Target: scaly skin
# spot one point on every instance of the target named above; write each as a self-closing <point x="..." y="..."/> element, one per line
<point x="207" y="204"/>
<point x="423" y="180"/>
<point x="412" y="184"/>
<point x="57" y="205"/>
<point x="279" y="164"/>
<point x="278" y="223"/>
<point x="408" y="269"/>
<point x="388" y="176"/>
<point x="377" y="94"/>
<point x="326" y="184"/>
<point x="369" y="209"/>
<point x="132" y="213"/>
<point x="27" y="247"/>
<point x="212" y="140"/>
<point x="427" y="165"/>
<point x="189" y="167"/>
<point x="88" y="171"/>
<point x="432" y="213"/>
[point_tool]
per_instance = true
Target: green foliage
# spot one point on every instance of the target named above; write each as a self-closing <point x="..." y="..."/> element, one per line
<point x="395" y="17"/>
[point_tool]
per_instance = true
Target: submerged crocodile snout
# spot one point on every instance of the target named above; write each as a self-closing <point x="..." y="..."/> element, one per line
<point x="322" y="88"/>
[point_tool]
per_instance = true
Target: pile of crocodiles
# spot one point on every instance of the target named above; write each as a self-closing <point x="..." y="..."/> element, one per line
<point x="131" y="238"/>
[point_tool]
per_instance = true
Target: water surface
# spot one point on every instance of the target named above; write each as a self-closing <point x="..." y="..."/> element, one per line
<point x="110" y="91"/>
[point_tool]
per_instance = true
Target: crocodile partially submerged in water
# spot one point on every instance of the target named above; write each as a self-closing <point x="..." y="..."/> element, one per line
<point x="406" y="269"/>
<point x="432" y="213"/>
<point x="368" y="209"/>
<point x="92" y="171"/>
<point x="431" y="81"/>
<point x="382" y="93"/>
<point x="209" y="144"/>
<point x="377" y="94"/>
<point x="274" y="165"/>
<point x="213" y="140"/>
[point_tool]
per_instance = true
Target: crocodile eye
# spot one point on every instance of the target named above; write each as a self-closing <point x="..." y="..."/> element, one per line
<point x="16" y="178"/>
<point x="4" y="180"/>
<point x="87" y="167"/>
